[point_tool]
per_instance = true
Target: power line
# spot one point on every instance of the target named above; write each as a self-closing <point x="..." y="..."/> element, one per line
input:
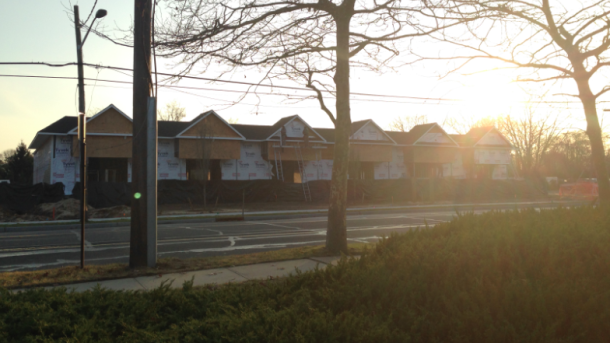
<point x="301" y="97"/>
<point x="225" y="81"/>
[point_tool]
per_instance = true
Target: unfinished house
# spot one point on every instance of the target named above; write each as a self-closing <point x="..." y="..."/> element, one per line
<point x="209" y="148"/>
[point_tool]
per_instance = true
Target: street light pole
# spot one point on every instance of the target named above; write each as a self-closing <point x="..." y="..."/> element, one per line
<point x="82" y="122"/>
<point x="82" y="127"/>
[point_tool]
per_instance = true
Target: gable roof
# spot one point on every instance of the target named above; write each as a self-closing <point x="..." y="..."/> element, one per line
<point x="496" y="131"/>
<point x="357" y="125"/>
<point x="419" y="131"/>
<point x="60" y="127"/>
<point x="287" y="120"/>
<point x="476" y="133"/>
<point x="400" y="137"/>
<point x="204" y="115"/>
<point x="364" y="123"/>
<point x="111" y="106"/>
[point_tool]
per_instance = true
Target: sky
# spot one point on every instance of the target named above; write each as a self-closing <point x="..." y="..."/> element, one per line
<point x="41" y="31"/>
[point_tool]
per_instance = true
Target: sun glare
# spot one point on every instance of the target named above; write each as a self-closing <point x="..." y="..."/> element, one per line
<point x="492" y="94"/>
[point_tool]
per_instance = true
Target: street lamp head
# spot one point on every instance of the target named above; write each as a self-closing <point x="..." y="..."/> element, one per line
<point x="100" y="14"/>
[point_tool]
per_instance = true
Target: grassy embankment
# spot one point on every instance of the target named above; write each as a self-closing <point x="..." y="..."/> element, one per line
<point x="498" y="277"/>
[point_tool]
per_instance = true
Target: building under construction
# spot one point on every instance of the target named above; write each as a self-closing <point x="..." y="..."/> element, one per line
<point x="290" y="151"/>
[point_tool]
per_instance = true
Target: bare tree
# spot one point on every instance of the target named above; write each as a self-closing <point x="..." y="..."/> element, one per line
<point x="463" y="124"/>
<point x="554" y="40"/>
<point x="406" y="123"/>
<point x="173" y="112"/>
<point x="315" y="42"/>
<point x="532" y="137"/>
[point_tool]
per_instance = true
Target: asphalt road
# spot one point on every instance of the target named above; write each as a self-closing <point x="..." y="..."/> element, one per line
<point x="43" y="249"/>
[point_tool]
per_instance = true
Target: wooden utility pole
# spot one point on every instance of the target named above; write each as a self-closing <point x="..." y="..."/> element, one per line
<point x="144" y="190"/>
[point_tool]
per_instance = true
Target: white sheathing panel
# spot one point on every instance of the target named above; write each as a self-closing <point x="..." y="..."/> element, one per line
<point x="169" y="167"/>
<point x="65" y="168"/>
<point x="250" y="165"/>
<point x="492" y="156"/>
<point x="436" y="138"/>
<point x="369" y="132"/>
<point x="312" y="170"/>
<point x="455" y="169"/>
<point x="228" y="169"/>
<point x="500" y="172"/>
<point x="319" y="170"/>
<point x="294" y="129"/>
<point x="492" y="138"/>
<point x="396" y="169"/>
<point x="382" y="171"/>
<point x="42" y="162"/>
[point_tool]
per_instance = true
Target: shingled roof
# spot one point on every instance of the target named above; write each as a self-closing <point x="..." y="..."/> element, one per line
<point x="254" y="132"/>
<point x="63" y="125"/>
<point x="171" y="128"/>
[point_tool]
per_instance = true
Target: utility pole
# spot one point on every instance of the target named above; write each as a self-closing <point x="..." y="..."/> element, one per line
<point x="142" y="251"/>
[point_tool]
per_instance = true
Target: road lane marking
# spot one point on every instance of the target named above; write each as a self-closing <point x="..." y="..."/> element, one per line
<point x="288" y="227"/>
<point x="78" y="237"/>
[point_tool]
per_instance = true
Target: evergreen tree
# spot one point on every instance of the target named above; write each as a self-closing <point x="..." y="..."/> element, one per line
<point x="19" y="165"/>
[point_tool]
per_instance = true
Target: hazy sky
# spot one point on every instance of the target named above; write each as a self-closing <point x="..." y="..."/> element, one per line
<point x="40" y="30"/>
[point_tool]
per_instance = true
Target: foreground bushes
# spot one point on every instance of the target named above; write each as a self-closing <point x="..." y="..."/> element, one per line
<point x="498" y="277"/>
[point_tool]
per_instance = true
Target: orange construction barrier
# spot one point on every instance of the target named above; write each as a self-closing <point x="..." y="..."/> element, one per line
<point x="579" y="190"/>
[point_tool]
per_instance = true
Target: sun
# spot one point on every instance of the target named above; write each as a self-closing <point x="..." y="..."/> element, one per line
<point x="491" y="94"/>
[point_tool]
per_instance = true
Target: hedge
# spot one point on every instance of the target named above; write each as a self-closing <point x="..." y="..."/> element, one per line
<point x="516" y="276"/>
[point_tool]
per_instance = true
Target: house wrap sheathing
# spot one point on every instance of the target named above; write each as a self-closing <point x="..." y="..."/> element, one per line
<point x="291" y="147"/>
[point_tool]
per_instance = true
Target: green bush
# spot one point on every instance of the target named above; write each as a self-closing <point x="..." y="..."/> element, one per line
<point x="523" y="276"/>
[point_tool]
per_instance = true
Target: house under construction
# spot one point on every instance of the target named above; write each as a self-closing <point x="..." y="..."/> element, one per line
<point x="289" y="150"/>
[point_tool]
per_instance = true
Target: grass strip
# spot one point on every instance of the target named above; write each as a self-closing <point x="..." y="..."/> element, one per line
<point x="73" y="274"/>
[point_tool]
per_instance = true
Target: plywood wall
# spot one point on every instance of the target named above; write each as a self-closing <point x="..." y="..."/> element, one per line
<point x="105" y="146"/>
<point x="370" y="153"/>
<point x="309" y="153"/>
<point x="216" y="149"/>
<point x="420" y="154"/>
<point x="110" y="121"/>
<point x="211" y="126"/>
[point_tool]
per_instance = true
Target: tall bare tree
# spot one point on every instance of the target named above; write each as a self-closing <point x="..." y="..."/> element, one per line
<point x="553" y="39"/>
<point x="463" y="124"/>
<point x="406" y="123"/>
<point x="315" y="42"/>
<point x="173" y="112"/>
<point x="532" y="136"/>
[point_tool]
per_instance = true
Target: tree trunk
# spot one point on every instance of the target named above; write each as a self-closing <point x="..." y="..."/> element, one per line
<point x="336" y="235"/>
<point x="595" y="137"/>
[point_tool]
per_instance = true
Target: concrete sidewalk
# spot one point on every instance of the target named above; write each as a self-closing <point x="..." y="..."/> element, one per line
<point x="260" y="271"/>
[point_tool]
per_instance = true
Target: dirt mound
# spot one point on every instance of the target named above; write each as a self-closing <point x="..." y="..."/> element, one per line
<point x="111" y="212"/>
<point x="64" y="209"/>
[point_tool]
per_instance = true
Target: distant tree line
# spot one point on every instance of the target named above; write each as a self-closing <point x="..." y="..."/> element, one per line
<point x="17" y="165"/>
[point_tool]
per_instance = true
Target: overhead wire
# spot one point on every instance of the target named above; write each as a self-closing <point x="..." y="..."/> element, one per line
<point x="278" y="94"/>
<point x="120" y="69"/>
